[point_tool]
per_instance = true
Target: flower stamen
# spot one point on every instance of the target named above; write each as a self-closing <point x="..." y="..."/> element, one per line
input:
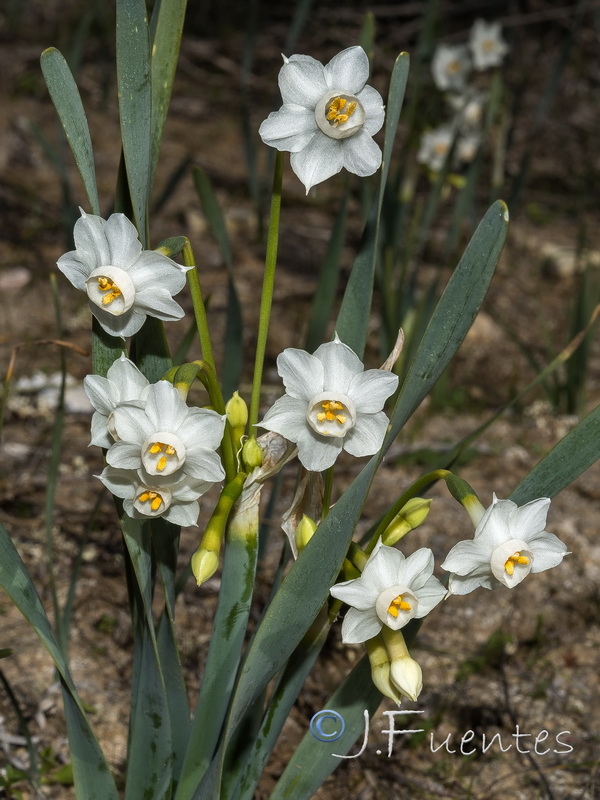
<point x="398" y="604"/>
<point x="106" y="285"/>
<point x="154" y="498"/>
<point x="337" y="113"/>
<point x="516" y="558"/>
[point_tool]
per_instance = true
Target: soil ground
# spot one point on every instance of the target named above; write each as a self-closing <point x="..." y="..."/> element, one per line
<point x="491" y="661"/>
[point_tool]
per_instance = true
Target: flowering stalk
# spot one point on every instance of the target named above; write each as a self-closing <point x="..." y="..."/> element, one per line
<point x="205" y="560"/>
<point x="267" y="293"/>
<point x="198" y="303"/>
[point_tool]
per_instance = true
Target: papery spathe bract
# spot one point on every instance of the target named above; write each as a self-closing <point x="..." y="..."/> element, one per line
<point x="123" y="383"/>
<point x="331" y="404"/>
<point x="328" y="117"/>
<point x="391" y="591"/>
<point x="509" y="543"/>
<point x="167" y="438"/>
<point x="451" y="66"/>
<point x="488" y="48"/>
<point x="124" y="283"/>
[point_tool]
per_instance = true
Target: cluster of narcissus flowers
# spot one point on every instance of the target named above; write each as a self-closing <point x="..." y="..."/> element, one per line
<point x="161" y="454"/>
<point x="509" y="543"/>
<point x="451" y="68"/>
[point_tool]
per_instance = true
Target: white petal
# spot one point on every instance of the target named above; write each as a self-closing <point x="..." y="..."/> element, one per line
<point x="301" y="81"/>
<point x="361" y="154"/>
<point x="417" y="569"/>
<point x="203" y="427"/>
<point x="466" y="557"/>
<point x="127" y="377"/>
<point x="383" y="568"/>
<point x="315" y="452"/>
<point x="348" y="71"/>
<point x="319" y="160"/>
<point x="369" y="390"/>
<point x="340" y="365"/>
<point x="131" y="423"/>
<point x="356" y="593"/>
<point x="102" y="393"/>
<point x="372" y="103"/>
<point x="184" y="514"/>
<point x="91" y="242"/>
<point x="99" y="431"/>
<point x="124" y="325"/>
<point x="124" y="455"/>
<point x="548" y="551"/>
<point x="291" y="128"/>
<point x="366" y="437"/>
<point x="165" y="408"/>
<point x="154" y="269"/>
<point x="494" y="527"/>
<point x="358" y="626"/>
<point x="125" y="246"/>
<point x="75" y="269"/>
<point x="204" y="465"/>
<point x="158" y="303"/>
<point x="529" y="519"/>
<point x="429" y="595"/>
<point x="287" y="416"/>
<point x="464" y="584"/>
<point x="302" y="374"/>
<point x="122" y="483"/>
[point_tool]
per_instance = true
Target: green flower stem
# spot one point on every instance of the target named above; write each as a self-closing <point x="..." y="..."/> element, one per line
<point x="327" y="491"/>
<point x="215" y="529"/>
<point x="198" y="303"/>
<point x="267" y="293"/>
<point x="356" y="556"/>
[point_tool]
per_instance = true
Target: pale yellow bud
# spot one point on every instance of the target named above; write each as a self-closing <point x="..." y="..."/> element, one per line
<point x="237" y="412"/>
<point x="304" y="532"/>
<point x="252" y="455"/>
<point x="380" y="669"/>
<point x="407" y="677"/>
<point x="204" y="564"/>
<point x="412" y="514"/>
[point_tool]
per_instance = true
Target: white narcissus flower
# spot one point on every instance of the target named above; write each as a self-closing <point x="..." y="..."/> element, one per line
<point x="435" y="146"/>
<point x="148" y="496"/>
<point x="391" y="591"/>
<point x="509" y="543"/>
<point x="451" y="66"/>
<point x="328" y="117"/>
<point x="167" y="438"/>
<point x="331" y="403"/>
<point x="123" y="383"/>
<point x="124" y="283"/>
<point x="488" y="48"/>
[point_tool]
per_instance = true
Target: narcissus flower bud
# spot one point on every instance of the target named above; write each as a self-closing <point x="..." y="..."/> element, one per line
<point x="304" y="532"/>
<point x="413" y="514"/>
<point x="237" y="412"/>
<point x="204" y="564"/>
<point x="252" y="455"/>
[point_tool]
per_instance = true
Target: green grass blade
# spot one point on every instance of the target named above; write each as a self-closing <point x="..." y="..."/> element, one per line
<point x="166" y="26"/>
<point x="67" y="101"/>
<point x="135" y="103"/>
<point x="91" y="771"/>
<point x="353" y="317"/>
<point x="579" y="449"/>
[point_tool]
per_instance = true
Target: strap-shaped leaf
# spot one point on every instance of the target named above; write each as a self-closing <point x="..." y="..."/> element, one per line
<point x="67" y="101"/>
<point x="135" y="103"/>
<point x="577" y="451"/>
<point x="353" y="318"/>
<point x="306" y="586"/>
<point x="166" y="26"/>
<point x="91" y="772"/>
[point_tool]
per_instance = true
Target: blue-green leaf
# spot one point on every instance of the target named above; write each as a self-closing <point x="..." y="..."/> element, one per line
<point x="67" y="101"/>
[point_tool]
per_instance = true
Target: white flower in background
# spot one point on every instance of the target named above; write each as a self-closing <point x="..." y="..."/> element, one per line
<point x="146" y="495"/>
<point x="123" y="383"/>
<point x="468" y="108"/>
<point x="331" y="403"/>
<point x="124" y="283"/>
<point x="167" y="438"/>
<point x="488" y="48"/>
<point x="451" y="66"/>
<point x="435" y="146"/>
<point x="328" y="117"/>
<point x="509" y="543"/>
<point x="391" y="591"/>
<point x="467" y="148"/>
